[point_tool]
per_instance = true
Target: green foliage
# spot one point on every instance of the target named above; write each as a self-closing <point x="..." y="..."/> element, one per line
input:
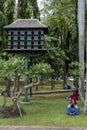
<point x="10" y="66"/>
<point x="61" y="43"/>
<point x="2" y="3"/>
<point x="40" y="68"/>
<point x="35" y="9"/>
<point x="28" y="9"/>
<point x="6" y="16"/>
<point x="10" y="11"/>
<point x="73" y="68"/>
<point x="2" y="23"/>
<point x="16" y="63"/>
<point x="24" y="9"/>
<point x="56" y="55"/>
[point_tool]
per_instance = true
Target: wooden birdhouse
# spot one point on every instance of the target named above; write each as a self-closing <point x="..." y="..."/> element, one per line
<point x="26" y="34"/>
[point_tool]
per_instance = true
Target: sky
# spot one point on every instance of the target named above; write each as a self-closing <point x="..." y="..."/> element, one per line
<point x="39" y="3"/>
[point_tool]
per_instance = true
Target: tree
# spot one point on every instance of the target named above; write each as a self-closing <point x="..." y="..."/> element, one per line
<point x="40" y="68"/>
<point x="38" y="71"/>
<point x="2" y="23"/>
<point x="10" y="11"/>
<point x="7" y="13"/>
<point x="23" y="9"/>
<point x="27" y="9"/>
<point x="81" y="35"/>
<point x="35" y="9"/>
<point x="60" y="19"/>
<point x="10" y="69"/>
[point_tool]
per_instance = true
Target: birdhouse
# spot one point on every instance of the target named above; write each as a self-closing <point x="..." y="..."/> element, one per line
<point x="26" y="34"/>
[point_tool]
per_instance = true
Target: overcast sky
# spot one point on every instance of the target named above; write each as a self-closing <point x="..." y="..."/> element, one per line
<point x="39" y="3"/>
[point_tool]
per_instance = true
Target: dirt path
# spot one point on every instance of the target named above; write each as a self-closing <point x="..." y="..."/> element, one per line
<point x="40" y="128"/>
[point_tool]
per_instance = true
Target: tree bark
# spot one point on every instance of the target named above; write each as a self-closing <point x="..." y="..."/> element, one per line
<point x="81" y="33"/>
<point x="85" y="106"/>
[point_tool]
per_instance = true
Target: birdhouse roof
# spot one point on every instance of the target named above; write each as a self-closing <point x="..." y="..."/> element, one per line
<point x="25" y="24"/>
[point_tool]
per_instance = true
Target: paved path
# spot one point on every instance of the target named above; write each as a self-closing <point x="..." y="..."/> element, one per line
<point x="52" y="91"/>
<point x="40" y="128"/>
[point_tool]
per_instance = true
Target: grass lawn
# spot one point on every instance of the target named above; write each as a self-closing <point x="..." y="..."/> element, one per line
<point x="47" y="110"/>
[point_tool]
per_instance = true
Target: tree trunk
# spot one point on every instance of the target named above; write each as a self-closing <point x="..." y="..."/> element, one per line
<point x="81" y="31"/>
<point x="85" y="107"/>
<point x="8" y="84"/>
<point x="76" y="81"/>
<point x="30" y="88"/>
<point x="63" y="43"/>
<point x="5" y="96"/>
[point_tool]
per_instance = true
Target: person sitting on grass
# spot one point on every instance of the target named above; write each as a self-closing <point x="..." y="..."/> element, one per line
<point x="72" y="108"/>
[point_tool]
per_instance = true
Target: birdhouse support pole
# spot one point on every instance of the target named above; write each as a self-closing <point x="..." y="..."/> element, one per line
<point x="26" y="99"/>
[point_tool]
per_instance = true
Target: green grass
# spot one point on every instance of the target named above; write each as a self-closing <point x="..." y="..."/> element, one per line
<point x="47" y="110"/>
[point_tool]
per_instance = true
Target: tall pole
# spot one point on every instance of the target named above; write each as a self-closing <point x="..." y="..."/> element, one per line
<point x="26" y="99"/>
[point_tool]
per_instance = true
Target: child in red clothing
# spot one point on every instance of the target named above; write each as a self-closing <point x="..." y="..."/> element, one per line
<point x="74" y="96"/>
